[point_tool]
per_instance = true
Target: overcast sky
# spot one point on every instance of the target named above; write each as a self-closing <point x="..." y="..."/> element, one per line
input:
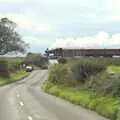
<point x="65" y="23"/>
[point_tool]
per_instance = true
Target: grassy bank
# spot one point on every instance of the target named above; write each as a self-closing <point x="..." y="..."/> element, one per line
<point x="106" y="106"/>
<point x="91" y="83"/>
<point x="13" y="77"/>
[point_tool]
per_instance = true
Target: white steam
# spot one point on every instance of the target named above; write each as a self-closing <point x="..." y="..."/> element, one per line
<point x="100" y="40"/>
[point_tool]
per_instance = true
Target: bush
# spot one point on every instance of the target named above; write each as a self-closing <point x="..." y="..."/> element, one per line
<point x="62" y="60"/>
<point x="62" y="74"/>
<point x="83" y="69"/>
<point x="100" y="78"/>
<point x="10" y="65"/>
<point x="76" y="72"/>
<point x="36" y="59"/>
<point x="4" y="71"/>
<point x="14" y="64"/>
<point x="105" y="83"/>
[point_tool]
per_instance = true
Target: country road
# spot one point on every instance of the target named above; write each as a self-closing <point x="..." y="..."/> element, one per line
<point x="24" y="100"/>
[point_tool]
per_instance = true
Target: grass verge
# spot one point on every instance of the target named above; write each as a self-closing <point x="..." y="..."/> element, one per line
<point x="106" y="106"/>
<point x="13" y="77"/>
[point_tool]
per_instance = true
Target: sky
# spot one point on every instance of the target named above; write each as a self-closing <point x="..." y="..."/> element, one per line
<point x="65" y="23"/>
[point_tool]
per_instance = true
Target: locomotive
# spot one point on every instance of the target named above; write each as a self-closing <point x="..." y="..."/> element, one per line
<point x="60" y="52"/>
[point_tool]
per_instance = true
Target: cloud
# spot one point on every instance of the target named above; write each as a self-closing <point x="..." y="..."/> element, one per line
<point x="32" y="40"/>
<point x="25" y="21"/>
<point x="40" y="20"/>
<point x="100" y="40"/>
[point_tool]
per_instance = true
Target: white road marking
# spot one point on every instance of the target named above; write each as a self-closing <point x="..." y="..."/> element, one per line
<point x="21" y="103"/>
<point x="30" y="118"/>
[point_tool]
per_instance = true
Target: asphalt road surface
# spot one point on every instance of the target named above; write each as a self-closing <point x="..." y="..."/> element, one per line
<point x="24" y="100"/>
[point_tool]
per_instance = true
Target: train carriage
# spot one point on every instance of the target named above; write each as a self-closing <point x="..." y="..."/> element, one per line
<point x="84" y="52"/>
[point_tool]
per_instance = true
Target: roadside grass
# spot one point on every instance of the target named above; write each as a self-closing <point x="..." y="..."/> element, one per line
<point x="99" y="92"/>
<point x="13" y="77"/>
<point x="114" y="69"/>
<point x="104" y="105"/>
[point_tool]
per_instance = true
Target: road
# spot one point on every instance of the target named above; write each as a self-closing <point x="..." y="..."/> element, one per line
<point x="24" y="100"/>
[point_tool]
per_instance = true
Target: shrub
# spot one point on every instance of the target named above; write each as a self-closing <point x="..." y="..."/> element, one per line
<point x="14" y="65"/>
<point x="62" y="74"/>
<point x="105" y="83"/>
<point x="10" y="65"/>
<point x="76" y="72"/>
<point x="4" y="71"/>
<point x="62" y="60"/>
<point x="36" y="59"/>
<point x="83" y="69"/>
<point x="101" y="77"/>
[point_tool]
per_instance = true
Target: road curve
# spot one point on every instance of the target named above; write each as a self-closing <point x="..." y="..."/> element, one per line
<point x="24" y="100"/>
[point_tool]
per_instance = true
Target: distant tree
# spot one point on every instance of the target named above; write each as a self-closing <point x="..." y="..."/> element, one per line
<point x="35" y="59"/>
<point x="10" y="40"/>
<point x="29" y="54"/>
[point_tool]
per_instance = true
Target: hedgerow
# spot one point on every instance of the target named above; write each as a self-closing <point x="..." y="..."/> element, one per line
<point x="73" y="81"/>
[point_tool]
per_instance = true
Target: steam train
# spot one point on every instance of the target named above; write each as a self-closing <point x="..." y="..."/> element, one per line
<point x="84" y="52"/>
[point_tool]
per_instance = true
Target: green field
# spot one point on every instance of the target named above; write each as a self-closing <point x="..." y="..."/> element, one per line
<point x="114" y="69"/>
<point x="13" y="59"/>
